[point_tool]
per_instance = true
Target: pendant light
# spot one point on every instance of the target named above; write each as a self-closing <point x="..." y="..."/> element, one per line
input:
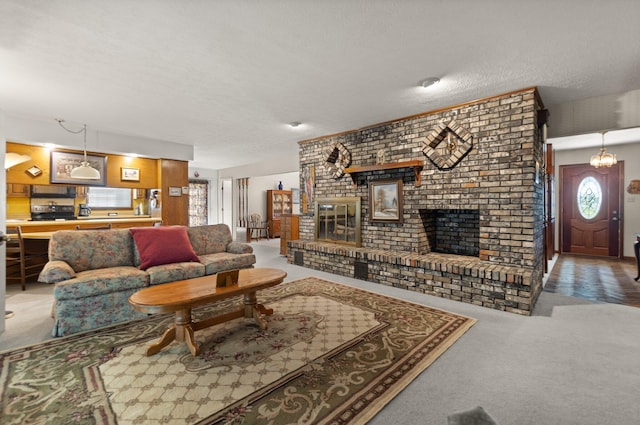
<point x="13" y="158"/>
<point x="603" y="159"/>
<point x="85" y="171"/>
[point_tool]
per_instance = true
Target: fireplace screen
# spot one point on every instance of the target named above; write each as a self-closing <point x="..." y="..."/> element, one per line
<point x="338" y="220"/>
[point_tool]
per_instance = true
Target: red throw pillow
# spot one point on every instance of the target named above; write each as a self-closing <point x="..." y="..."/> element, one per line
<point x="162" y="245"/>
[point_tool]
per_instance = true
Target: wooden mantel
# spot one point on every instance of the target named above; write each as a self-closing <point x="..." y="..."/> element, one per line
<point x="415" y="164"/>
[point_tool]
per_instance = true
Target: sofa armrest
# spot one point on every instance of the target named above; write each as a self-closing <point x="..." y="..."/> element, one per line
<point x="239" y="248"/>
<point x="56" y="271"/>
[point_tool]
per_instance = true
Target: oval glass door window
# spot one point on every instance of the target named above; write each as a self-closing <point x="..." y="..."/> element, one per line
<point x="589" y="197"/>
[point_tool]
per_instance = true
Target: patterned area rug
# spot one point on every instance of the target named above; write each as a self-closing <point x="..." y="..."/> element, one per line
<point x="332" y="354"/>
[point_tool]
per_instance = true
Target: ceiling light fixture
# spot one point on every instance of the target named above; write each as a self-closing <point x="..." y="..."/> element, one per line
<point x="13" y="158"/>
<point x="427" y="82"/>
<point x="603" y="158"/>
<point x="85" y="171"/>
<point x="295" y="124"/>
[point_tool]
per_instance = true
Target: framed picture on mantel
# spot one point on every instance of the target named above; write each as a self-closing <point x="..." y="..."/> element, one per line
<point x="385" y="201"/>
<point x="63" y="162"/>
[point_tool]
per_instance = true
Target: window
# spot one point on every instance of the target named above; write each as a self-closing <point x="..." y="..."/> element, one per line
<point x="589" y="197"/>
<point x="107" y="197"/>
<point x="198" y="202"/>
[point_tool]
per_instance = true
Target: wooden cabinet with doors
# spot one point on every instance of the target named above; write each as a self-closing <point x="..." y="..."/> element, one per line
<point x="289" y="231"/>
<point x="16" y="190"/>
<point x="279" y="202"/>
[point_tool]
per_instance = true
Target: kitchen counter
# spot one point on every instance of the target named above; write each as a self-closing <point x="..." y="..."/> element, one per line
<point x="117" y="222"/>
<point x="114" y="217"/>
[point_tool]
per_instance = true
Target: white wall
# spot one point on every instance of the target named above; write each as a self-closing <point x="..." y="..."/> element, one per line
<point x="262" y="176"/>
<point x="3" y="224"/>
<point x="31" y="131"/>
<point x="595" y="114"/>
<point x="258" y="187"/>
<point x="630" y="154"/>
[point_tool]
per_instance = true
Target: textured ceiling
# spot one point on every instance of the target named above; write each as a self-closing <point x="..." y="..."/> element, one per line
<point x="227" y="76"/>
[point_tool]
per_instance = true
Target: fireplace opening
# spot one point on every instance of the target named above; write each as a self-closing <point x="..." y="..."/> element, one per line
<point x="338" y="220"/>
<point x="452" y="231"/>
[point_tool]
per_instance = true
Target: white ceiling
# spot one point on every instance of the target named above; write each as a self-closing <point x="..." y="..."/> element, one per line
<point x="226" y="76"/>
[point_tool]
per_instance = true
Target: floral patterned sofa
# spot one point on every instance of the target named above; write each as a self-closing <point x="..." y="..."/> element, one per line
<point x="95" y="271"/>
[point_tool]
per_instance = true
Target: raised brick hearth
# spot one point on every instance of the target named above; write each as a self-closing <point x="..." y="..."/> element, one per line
<point x="472" y="230"/>
<point x="456" y="277"/>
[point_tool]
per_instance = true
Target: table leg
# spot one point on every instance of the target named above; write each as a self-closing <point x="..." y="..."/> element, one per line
<point x="167" y="337"/>
<point x="184" y="330"/>
<point x="180" y="331"/>
<point x="254" y="310"/>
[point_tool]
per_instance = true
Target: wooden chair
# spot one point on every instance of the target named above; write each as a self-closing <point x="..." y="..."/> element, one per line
<point x="105" y="227"/>
<point x="257" y="225"/>
<point x="21" y="259"/>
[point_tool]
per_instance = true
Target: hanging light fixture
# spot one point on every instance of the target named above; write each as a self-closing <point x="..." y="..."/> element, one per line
<point x="85" y="171"/>
<point x="13" y="158"/>
<point x="603" y="159"/>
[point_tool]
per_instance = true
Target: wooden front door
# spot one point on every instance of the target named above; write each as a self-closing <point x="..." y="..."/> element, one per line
<point x="591" y="205"/>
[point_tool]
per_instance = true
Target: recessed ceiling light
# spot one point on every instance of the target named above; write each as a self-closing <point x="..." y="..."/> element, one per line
<point x="427" y="82"/>
<point x="295" y="124"/>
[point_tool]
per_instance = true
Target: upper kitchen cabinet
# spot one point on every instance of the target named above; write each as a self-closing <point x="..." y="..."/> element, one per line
<point x="16" y="190"/>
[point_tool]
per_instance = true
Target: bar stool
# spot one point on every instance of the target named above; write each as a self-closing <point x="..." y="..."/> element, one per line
<point x="29" y="263"/>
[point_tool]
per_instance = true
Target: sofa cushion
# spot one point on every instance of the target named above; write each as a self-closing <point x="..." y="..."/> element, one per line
<point x="162" y="245"/>
<point x="56" y="271"/>
<point x="209" y="239"/>
<point x="239" y="248"/>
<point x="92" y="249"/>
<point x="222" y="261"/>
<point x="174" y="271"/>
<point x="101" y="281"/>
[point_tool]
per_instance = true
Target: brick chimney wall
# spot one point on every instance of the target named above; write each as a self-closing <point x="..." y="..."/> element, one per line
<point x="497" y="178"/>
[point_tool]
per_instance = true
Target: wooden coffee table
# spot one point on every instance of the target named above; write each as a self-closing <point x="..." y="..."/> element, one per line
<point x="183" y="295"/>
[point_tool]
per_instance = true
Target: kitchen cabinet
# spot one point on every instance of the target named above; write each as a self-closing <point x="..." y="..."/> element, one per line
<point x="279" y="202"/>
<point x="17" y="190"/>
<point x="29" y="226"/>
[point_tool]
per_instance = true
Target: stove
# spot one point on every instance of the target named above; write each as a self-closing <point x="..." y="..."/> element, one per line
<point x="52" y="212"/>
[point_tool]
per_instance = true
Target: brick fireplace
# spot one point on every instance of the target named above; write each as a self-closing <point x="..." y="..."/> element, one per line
<point x="452" y="231"/>
<point x="472" y="213"/>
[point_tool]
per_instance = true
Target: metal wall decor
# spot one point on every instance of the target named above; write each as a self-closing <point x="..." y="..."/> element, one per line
<point x="447" y="145"/>
<point x="634" y="187"/>
<point x="338" y="158"/>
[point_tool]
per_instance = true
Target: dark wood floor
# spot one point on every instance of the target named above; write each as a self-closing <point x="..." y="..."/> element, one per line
<point x="596" y="279"/>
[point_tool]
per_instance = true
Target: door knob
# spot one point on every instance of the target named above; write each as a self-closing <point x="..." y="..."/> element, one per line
<point x="4" y="238"/>
<point x="614" y="214"/>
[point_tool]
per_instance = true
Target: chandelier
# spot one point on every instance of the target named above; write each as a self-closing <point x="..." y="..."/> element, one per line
<point x="603" y="158"/>
<point x="84" y="171"/>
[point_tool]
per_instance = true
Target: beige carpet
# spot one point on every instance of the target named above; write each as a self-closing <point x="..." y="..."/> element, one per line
<point x="331" y="354"/>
